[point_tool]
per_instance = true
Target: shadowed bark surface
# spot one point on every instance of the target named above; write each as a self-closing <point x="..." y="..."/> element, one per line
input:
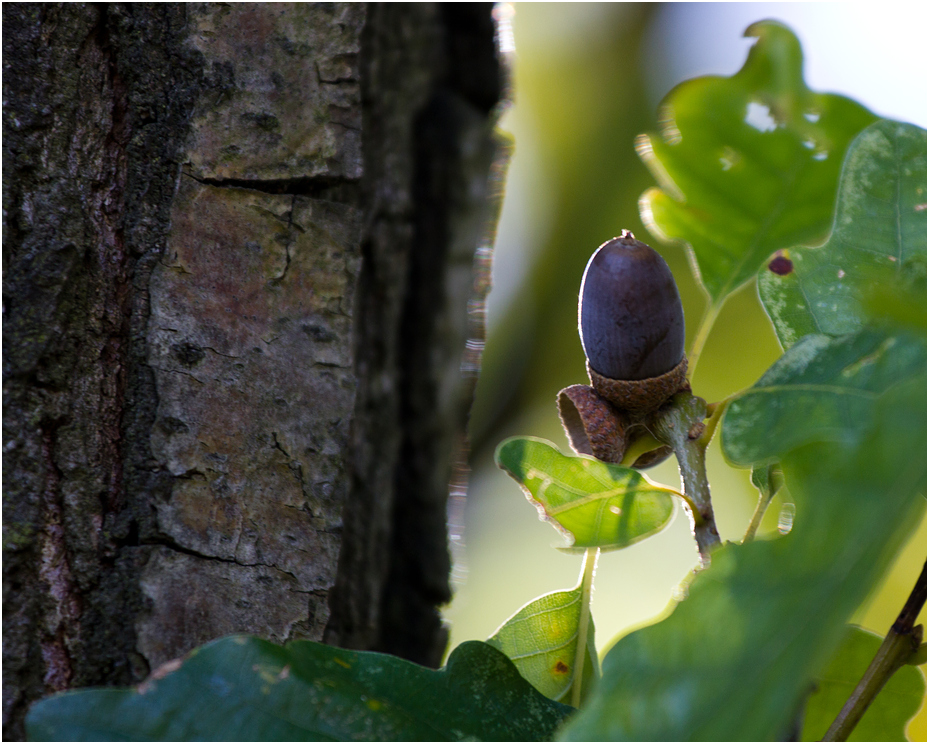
<point x="238" y="247"/>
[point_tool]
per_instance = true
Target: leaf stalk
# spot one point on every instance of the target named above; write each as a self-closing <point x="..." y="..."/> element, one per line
<point x="764" y="500"/>
<point x="583" y="624"/>
<point x="703" y="332"/>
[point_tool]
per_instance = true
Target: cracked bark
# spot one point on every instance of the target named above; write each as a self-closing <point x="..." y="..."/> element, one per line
<point x="237" y="253"/>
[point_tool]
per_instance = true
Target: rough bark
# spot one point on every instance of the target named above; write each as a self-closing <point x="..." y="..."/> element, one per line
<point x="238" y="243"/>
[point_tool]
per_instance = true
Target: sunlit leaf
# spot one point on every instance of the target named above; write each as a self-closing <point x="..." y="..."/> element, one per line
<point x="878" y="241"/>
<point x="888" y="714"/>
<point x="748" y="164"/>
<point x="736" y="658"/>
<point x="245" y="689"/>
<point x="593" y="504"/>
<point x="541" y="640"/>
<point x="822" y="389"/>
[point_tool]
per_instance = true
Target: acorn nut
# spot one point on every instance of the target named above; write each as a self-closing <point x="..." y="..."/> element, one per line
<point x="632" y="326"/>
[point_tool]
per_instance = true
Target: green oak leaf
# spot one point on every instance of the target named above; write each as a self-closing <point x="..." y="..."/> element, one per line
<point x="888" y="714"/>
<point x="822" y="389"/>
<point x="878" y="242"/>
<point x="747" y="164"/>
<point x="242" y="688"/>
<point x="541" y="640"/>
<point x="593" y="504"/>
<point x="735" y="660"/>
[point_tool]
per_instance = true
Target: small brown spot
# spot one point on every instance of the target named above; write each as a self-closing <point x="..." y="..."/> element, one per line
<point x="781" y="265"/>
<point x="560" y="667"/>
<point x="696" y="430"/>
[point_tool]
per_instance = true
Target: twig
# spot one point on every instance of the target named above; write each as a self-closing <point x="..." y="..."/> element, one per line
<point x="898" y="647"/>
<point x="681" y="426"/>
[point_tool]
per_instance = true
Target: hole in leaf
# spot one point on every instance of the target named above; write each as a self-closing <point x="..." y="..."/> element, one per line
<point x="759" y="116"/>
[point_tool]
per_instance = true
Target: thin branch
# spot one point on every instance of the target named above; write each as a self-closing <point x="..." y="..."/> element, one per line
<point x="898" y="648"/>
<point x="680" y="425"/>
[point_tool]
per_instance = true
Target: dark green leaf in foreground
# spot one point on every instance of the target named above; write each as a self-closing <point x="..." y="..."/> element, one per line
<point x="822" y="389"/>
<point x="736" y="658"/>
<point x="879" y="239"/>
<point x="592" y="503"/>
<point x="541" y="640"/>
<point x="748" y="164"/>
<point x="245" y="689"/>
<point x="886" y="718"/>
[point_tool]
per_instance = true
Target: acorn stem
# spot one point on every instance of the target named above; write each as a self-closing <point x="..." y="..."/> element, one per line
<point x="680" y="425"/>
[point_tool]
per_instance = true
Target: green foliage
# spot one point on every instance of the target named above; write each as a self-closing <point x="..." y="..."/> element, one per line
<point x="594" y="504"/>
<point x="734" y="659"/>
<point x="878" y="238"/>
<point x="541" y="640"/>
<point x="822" y="390"/>
<point x="748" y="164"/>
<point x="887" y="717"/>
<point x="749" y="167"/>
<point x="245" y="689"/>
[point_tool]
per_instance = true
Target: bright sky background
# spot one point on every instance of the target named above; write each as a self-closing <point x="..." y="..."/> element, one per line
<point x="874" y="52"/>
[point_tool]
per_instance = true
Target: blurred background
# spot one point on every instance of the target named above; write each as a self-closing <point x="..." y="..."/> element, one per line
<point x="588" y="78"/>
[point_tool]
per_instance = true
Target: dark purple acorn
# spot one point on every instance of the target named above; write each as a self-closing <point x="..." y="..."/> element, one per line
<point x="630" y="315"/>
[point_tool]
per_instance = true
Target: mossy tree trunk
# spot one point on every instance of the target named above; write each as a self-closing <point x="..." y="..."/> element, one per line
<point x="238" y="248"/>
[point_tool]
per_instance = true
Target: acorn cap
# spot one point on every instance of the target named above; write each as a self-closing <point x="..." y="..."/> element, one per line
<point x="630" y="316"/>
<point x="593" y="426"/>
<point x="639" y="397"/>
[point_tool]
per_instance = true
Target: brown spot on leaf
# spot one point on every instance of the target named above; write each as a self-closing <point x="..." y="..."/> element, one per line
<point x="560" y="667"/>
<point x="781" y="265"/>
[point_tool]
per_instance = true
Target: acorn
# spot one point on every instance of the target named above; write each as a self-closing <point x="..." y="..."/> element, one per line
<point x="631" y="323"/>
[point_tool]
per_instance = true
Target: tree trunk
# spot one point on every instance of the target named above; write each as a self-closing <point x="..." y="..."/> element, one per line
<point x="238" y="248"/>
